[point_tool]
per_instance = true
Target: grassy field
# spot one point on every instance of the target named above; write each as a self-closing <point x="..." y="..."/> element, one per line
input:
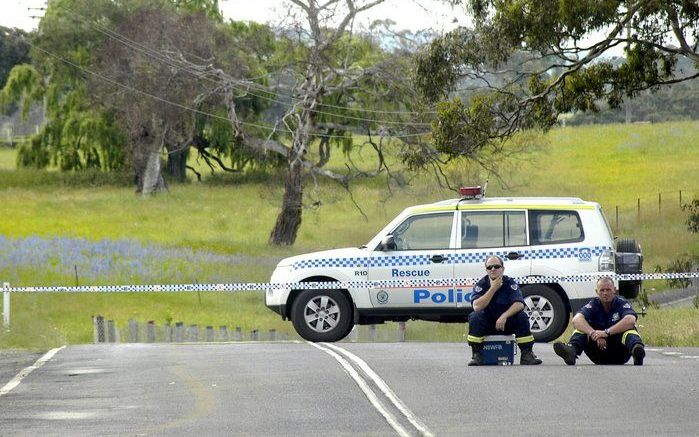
<point x="615" y="165"/>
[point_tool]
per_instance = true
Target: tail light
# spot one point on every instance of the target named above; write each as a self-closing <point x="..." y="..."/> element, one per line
<point x="606" y="261"/>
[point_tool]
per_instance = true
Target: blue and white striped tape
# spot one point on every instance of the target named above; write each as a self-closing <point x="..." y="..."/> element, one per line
<point x="264" y="286"/>
<point x="582" y="253"/>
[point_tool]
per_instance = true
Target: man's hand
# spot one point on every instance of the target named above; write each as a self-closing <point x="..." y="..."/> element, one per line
<point x="602" y="343"/>
<point x="496" y="283"/>
<point x="597" y="334"/>
<point x="500" y="323"/>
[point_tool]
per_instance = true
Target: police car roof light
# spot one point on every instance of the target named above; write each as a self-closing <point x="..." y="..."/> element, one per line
<point x="471" y="192"/>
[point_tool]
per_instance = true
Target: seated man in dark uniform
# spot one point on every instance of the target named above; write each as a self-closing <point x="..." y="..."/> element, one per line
<point x="605" y="329"/>
<point x="498" y="309"/>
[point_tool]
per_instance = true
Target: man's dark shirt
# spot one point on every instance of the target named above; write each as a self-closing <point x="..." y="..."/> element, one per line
<point x="599" y="319"/>
<point x="503" y="298"/>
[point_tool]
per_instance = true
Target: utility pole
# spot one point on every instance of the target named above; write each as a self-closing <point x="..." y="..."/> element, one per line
<point x="627" y="104"/>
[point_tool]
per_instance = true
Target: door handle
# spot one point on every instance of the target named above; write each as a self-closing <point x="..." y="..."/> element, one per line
<point x="514" y="256"/>
<point x="437" y="258"/>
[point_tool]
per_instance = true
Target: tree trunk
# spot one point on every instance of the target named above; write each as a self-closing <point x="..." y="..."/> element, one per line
<point x="289" y="218"/>
<point x="152" y="175"/>
<point x="176" y="166"/>
<point x="148" y="174"/>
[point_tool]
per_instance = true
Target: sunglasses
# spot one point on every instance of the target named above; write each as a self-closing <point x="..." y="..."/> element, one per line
<point x="493" y="267"/>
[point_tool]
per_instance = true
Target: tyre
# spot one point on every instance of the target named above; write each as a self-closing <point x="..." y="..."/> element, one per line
<point x="627" y="245"/>
<point x="322" y="315"/>
<point x="548" y="316"/>
<point x="629" y="260"/>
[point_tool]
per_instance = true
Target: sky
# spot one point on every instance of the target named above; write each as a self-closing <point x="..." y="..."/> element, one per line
<point x="408" y="14"/>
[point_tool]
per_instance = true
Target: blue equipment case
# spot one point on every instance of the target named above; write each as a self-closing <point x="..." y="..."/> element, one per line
<point x="499" y="350"/>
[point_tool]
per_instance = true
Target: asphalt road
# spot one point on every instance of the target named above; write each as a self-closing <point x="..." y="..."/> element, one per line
<point x="381" y="389"/>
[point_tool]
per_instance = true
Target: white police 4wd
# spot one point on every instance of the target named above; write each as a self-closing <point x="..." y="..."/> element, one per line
<point x="537" y="237"/>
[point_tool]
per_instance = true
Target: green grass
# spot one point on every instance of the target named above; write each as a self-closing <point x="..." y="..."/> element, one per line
<point x="612" y="164"/>
<point x="44" y="321"/>
<point x="7" y="158"/>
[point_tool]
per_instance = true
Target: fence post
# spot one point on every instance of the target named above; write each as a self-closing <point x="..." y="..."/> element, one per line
<point x="680" y="199"/>
<point x="223" y="333"/>
<point x="6" y="305"/>
<point x="660" y="202"/>
<point x="638" y="208"/>
<point x="179" y="331"/>
<point x="617" y="217"/>
<point x="111" y="332"/>
<point x="401" y="331"/>
<point x="133" y="331"/>
<point x="150" y="331"/>
<point x="98" y="323"/>
<point x="193" y="333"/>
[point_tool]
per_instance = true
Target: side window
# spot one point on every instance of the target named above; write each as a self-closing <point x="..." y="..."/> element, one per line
<point x="429" y="231"/>
<point x="555" y="227"/>
<point x="482" y="229"/>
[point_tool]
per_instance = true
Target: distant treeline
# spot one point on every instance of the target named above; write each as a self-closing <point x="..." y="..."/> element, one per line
<point x="670" y="103"/>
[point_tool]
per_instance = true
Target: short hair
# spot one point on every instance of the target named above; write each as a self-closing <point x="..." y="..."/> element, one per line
<point x="502" y="263"/>
<point x="605" y="278"/>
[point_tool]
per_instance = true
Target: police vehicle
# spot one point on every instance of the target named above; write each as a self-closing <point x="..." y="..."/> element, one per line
<point x="536" y="237"/>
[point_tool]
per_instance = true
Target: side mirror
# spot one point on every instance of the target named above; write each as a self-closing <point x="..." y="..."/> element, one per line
<point x="388" y="243"/>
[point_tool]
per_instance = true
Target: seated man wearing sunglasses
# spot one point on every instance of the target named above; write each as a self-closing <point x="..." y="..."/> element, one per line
<point x="498" y="309"/>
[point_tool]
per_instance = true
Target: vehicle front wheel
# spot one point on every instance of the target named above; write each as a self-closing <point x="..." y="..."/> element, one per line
<point x="547" y="313"/>
<point x="322" y="315"/>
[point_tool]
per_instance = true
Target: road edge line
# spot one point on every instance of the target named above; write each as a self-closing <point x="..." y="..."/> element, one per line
<point x="381" y="384"/>
<point x="368" y="392"/>
<point x="14" y="382"/>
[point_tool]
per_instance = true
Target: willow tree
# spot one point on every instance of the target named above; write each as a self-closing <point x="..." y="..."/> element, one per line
<point x="78" y="134"/>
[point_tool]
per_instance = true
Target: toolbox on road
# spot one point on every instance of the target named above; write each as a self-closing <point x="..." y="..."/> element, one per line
<point x="498" y="350"/>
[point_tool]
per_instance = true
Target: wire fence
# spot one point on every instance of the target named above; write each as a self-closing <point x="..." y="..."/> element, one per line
<point x="664" y="204"/>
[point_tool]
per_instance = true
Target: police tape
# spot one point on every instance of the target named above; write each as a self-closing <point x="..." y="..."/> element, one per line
<point x="403" y="283"/>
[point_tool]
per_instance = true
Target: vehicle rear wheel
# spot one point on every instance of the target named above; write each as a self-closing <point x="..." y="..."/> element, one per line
<point x="628" y="245"/>
<point x="322" y="315"/>
<point x="547" y="313"/>
<point x="629" y="261"/>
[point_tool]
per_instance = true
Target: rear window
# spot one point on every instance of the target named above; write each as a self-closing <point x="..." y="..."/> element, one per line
<point x="555" y="227"/>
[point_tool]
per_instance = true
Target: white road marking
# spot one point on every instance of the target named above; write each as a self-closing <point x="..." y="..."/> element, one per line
<point x="397" y="402"/>
<point x="84" y="371"/>
<point x="368" y="392"/>
<point x="67" y="415"/>
<point x="671" y="353"/>
<point x="14" y="382"/>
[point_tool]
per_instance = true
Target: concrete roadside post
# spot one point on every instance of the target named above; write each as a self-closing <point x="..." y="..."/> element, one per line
<point x="6" y="305"/>
<point x="401" y="331"/>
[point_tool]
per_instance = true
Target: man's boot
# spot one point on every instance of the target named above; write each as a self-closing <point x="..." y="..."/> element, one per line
<point x="528" y="358"/>
<point x="476" y="358"/>
<point x="566" y="351"/>
<point x="638" y="353"/>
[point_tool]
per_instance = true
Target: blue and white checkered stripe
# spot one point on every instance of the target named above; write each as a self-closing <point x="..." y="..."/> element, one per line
<point x="459" y="258"/>
<point x="265" y="286"/>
